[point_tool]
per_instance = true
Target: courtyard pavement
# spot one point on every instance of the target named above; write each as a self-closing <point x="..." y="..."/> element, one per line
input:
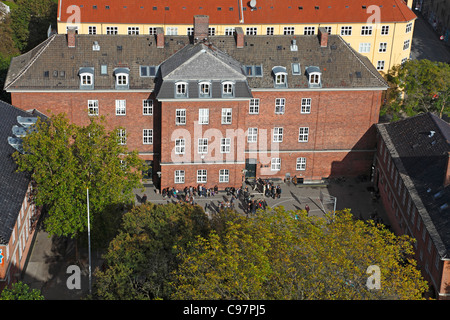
<point x="50" y="257"/>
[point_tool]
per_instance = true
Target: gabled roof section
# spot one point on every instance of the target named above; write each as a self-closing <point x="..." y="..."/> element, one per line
<point x="201" y="62"/>
<point x="420" y="146"/>
<point x="173" y="12"/>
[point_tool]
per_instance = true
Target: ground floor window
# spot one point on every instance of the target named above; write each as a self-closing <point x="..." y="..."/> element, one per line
<point x="179" y="176"/>
<point x="224" y="175"/>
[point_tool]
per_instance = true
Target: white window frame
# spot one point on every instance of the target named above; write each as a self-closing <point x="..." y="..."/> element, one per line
<point x="179" y="176"/>
<point x="147" y="107"/>
<point x="251" y="31"/>
<point x="346" y="30"/>
<point x="87" y="79"/>
<point x="252" y="135"/>
<point x="181" y="89"/>
<point x="288" y="31"/>
<point x="280" y="78"/>
<point x="227" y="115"/>
<point x="305" y="107"/>
<point x="225" y="145"/>
<point x="229" y="31"/>
<point x="180" y="146"/>
<point x="383" y="47"/>
<point x="133" y="30"/>
<point x="408" y="27"/>
<point x="211" y="31"/>
<point x="277" y="134"/>
<point x="202" y="175"/>
<point x="301" y="164"/>
<point x="112" y="30"/>
<point x="280" y="105"/>
<point x="254" y="106"/>
<point x="270" y="31"/>
<point x="303" y="134"/>
<point x="190" y="31"/>
<point x="224" y="175"/>
<point x="92" y="30"/>
<point x="384" y="30"/>
<point x="147" y="136"/>
<point x="172" y="31"/>
<point x="406" y="44"/>
<point x="314" y="78"/>
<point x="380" y="65"/>
<point x="366" y="30"/>
<point x="203" y="116"/>
<point x="122" y="134"/>
<point x="204" y="89"/>
<point x="309" y="31"/>
<point x="121" y="107"/>
<point x="202" y="146"/>
<point x="93" y="107"/>
<point x="227" y="89"/>
<point x="151" y="30"/>
<point x="122" y="79"/>
<point x="275" y="164"/>
<point x="180" y="117"/>
<point x="364" y="47"/>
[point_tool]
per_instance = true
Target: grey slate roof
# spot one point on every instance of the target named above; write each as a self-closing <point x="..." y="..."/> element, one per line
<point x="340" y="65"/>
<point x="421" y="160"/>
<point x="13" y="185"/>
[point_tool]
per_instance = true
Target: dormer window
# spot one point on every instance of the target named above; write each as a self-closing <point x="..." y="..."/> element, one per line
<point x="227" y="89"/>
<point x="204" y="89"/>
<point x="122" y="78"/>
<point x="314" y="77"/>
<point x="86" y="78"/>
<point x="280" y="75"/>
<point x="181" y="89"/>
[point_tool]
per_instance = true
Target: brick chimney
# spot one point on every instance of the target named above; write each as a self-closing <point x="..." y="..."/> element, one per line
<point x="159" y="37"/>
<point x="323" y="37"/>
<point x="71" y="37"/>
<point x="239" y="37"/>
<point x="447" y="173"/>
<point x="201" y="26"/>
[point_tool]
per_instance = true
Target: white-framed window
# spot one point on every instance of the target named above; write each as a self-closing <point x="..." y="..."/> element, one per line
<point x="179" y="176"/>
<point x="122" y="79"/>
<point x="202" y="146"/>
<point x="112" y="30"/>
<point x="201" y="176"/>
<point x="147" y="107"/>
<point x="224" y="175"/>
<point x="383" y="47"/>
<point x="211" y="31"/>
<point x="309" y="31"/>
<point x="151" y="30"/>
<point x="180" y="146"/>
<point x="148" y="71"/>
<point x="364" y="47"/>
<point x="404" y="60"/>
<point x="328" y="29"/>
<point x="303" y="133"/>
<point x="280" y="104"/>
<point x="406" y="44"/>
<point x="277" y="134"/>
<point x="225" y="145"/>
<point x="306" y="105"/>
<point x="314" y="78"/>
<point x="275" y="164"/>
<point x="252" y="135"/>
<point x="87" y="79"/>
<point x="380" y="65"/>
<point x="133" y="30"/>
<point x="254" y="106"/>
<point x="251" y="31"/>
<point x="121" y="107"/>
<point x="203" y="116"/>
<point x="227" y="89"/>
<point x="295" y="67"/>
<point x="346" y="30"/>
<point x="104" y="69"/>
<point x="384" y="30"/>
<point x="172" y="31"/>
<point x="92" y="30"/>
<point x="180" y="116"/>
<point x="288" y="31"/>
<point x="181" y="89"/>
<point x="408" y="27"/>
<point x="190" y="31"/>
<point x="301" y="163"/>
<point x="204" y="89"/>
<point x="366" y="30"/>
<point x="226" y="115"/>
<point x="147" y="136"/>
<point x="122" y="135"/>
<point x="269" y="31"/>
<point x="280" y="78"/>
<point x="229" y="31"/>
<point x="93" y="107"/>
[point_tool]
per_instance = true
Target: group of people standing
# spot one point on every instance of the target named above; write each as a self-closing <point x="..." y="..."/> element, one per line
<point x="267" y="188"/>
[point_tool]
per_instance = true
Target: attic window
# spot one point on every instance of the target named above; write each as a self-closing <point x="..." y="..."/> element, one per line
<point x="86" y="78"/>
<point x="204" y="89"/>
<point x="106" y="7"/>
<point x="314" y="77"/>
<point x="253" y="70"/>
<point x="295" y="68"/>
<point x="227" y="89"/>
<point x="181" y="90"/>
<point x="316" y="7"/>
<point x="122" y="78"/>
<point x="280" y="76"/>
<point x="148" y="71"/>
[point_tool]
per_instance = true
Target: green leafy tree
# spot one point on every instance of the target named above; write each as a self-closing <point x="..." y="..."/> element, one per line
<point x="20" y="291"/>
<point x="289" y="255"/>
<point x="65" y="160"/>
<point x="141" y="258"/>
<point x="418" y="86"/>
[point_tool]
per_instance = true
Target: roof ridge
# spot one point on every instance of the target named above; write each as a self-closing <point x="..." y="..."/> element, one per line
<point x="44" y="46"/>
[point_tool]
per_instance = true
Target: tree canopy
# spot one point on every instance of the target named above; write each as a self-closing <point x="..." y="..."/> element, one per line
<point x="65" y="160"/>
<point x="418" y="86"/>
<point x="20" y="291"/>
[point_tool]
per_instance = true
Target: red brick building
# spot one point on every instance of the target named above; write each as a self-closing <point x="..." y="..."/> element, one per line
<point x="412" y="175"/>
<point x="207" y="109"/>
<point x="18" y="216"/>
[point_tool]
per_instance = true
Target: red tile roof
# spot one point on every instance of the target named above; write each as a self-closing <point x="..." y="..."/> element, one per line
<point x="172" y="12"/>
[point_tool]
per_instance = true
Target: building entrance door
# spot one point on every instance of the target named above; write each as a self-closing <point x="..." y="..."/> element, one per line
<point x="250" y="166"/>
